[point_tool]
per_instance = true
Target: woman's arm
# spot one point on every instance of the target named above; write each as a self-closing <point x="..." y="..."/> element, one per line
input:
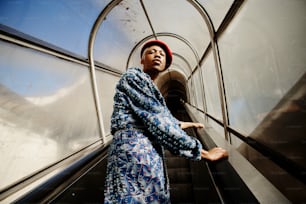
<point x="214" y="154"/>
<point x="185" y="125"/>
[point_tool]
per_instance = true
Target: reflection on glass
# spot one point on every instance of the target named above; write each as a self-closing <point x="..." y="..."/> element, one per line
<point x="211" y="87"/>
<point x="263" y="59"/>
<point x="191" y="93"/>
<point x="198" y="90"/>
<point x="124" y="26"/>
<point x="181" y="65"/>
<point x="106" y="86"/>
<point x="44" y="102"/>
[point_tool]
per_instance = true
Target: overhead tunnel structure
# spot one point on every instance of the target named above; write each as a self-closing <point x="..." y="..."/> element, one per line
<point x="239" y="67"/>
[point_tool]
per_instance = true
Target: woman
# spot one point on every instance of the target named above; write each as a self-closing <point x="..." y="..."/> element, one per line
<point x="142" y="126"/>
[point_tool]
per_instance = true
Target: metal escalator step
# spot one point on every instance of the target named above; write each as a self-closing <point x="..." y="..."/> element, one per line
<point x="181" y="193"/>
<point x="177" y="162"/>
<point x="179" y="175"/>
<point x="168" y="154"/>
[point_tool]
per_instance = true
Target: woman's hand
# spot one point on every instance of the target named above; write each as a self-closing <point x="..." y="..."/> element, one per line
<point x="185" y="125"/>
<point x="214" y="154"/>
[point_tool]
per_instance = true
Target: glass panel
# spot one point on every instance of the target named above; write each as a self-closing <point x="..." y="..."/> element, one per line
<point x="180" y="64"/>
<point x="275" y="61"/>
<point x="192" y="90"/>
<point x="178" y="48"/>
<point x="124" y="26"/>
<point x="43" y="104"/>
<point x="191" y="93"/>
<point x="291" y="187"/>
<point x="198" y="89"/>
<point x="211" y="87"/>
<point x="183" y="20"/>
<point x="216" y="10"/>
<point x="218" y="128"/>
<point x="263" y="56"/>
<point x="106" y="86"/>
<point x="199" y="115"/>
<point x="66" y="24"/>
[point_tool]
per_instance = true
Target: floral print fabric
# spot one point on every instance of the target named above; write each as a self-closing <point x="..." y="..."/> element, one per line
<point x="142" y="126"/>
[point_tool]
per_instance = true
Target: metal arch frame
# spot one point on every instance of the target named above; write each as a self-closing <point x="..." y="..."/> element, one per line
<point x="214" y="46"/>
<point x="170" y="72"/>
<point x="183" y="58"/>
<point x="163" y="34"/>
<point x="93" y="34"/>
<point x="211" y="29"/>
<point x="175" y="54"/>
<point x="12" y="36"/>
<point x="91" y="63"/>
<point x="179" y="70"/>
<point x="148" y="19"/>
<point x="155" y="35"/>
<point x="92" y="37"/>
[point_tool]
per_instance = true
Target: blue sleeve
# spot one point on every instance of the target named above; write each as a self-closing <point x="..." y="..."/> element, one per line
<point x="149" y="105"/>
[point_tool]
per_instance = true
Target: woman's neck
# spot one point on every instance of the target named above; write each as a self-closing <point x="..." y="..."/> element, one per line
<point x="152" y="73"/>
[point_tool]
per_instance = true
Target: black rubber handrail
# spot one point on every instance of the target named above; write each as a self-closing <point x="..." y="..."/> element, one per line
<point x="231" y="188"/>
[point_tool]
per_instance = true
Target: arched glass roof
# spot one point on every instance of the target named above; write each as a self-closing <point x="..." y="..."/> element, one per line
<point x="68" y="26"/>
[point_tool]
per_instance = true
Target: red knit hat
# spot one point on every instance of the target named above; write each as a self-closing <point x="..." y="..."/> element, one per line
<point x="161" y="44"/>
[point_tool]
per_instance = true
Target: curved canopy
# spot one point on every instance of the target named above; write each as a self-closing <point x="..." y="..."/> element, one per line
<point x="118" y="28"/>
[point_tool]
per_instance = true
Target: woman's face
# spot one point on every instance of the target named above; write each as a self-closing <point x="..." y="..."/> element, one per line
<point x="153" y="60"/>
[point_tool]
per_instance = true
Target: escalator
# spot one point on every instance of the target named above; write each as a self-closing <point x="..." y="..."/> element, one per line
<point x="179" y="172"/>
<point x="190" y="181"/>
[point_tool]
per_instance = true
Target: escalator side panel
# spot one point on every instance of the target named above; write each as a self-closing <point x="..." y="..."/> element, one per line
<point x="203" y="187"/>
<point x="88" y="189"/>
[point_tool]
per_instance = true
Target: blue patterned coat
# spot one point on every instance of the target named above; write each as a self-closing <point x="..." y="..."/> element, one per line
<point x="142" y="126"/>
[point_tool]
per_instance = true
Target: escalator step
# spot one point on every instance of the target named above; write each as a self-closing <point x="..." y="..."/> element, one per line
<point x="179" y="175"/>
<point x="181" y="193"/>
<point x="177" y="162"/>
